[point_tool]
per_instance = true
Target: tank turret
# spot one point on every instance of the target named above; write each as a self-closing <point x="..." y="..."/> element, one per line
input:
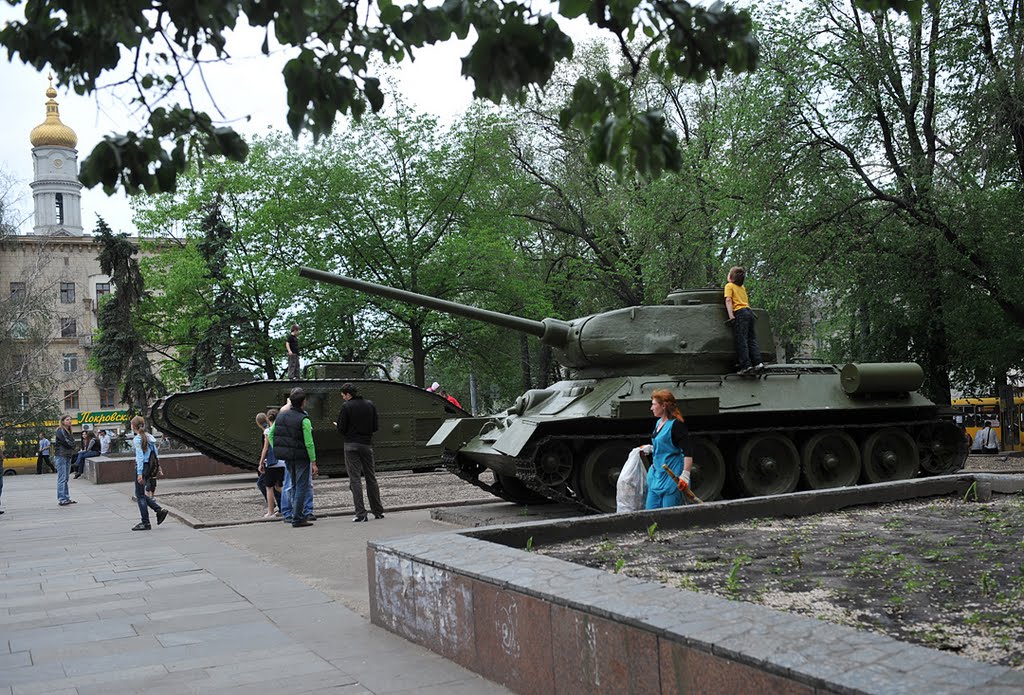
<point x="814" y="426"/>
<point x="687" y="334"/>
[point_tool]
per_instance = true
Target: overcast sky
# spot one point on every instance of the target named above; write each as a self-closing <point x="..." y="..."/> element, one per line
<point x="249" y="86"/>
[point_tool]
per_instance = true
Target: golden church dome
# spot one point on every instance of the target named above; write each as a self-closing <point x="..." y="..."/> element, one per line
<point x="51" y="132"/>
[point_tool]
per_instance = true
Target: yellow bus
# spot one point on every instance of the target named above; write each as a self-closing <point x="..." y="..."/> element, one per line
<point x="976" y="412"/>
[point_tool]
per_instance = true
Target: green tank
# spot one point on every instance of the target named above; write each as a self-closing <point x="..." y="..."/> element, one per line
<point x="791" y="425"/>
<point x="220" y="421"/>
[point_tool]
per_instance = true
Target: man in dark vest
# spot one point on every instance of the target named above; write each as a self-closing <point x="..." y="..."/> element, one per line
<point x="292" y="439"/>
<point x="357" y="422"/>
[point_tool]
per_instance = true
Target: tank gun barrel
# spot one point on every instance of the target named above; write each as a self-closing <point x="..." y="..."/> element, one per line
<point x="550" y="331"/>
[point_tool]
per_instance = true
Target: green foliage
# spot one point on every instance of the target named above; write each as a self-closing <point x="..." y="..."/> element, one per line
<point x="652" y="530"/>
<point x="119" y="354"/>
<point x="515" y="50"/>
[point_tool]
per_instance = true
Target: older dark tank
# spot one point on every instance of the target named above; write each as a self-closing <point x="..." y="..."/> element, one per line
<point x="220" y="420"/>
<point x="810" y="425"/>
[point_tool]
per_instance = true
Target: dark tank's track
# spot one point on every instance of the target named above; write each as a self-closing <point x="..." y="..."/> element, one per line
<point x="470" y="472"/>
<point x="530" y="474"/>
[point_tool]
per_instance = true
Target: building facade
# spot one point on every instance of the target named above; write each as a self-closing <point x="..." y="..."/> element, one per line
<point x="54" y="285"/>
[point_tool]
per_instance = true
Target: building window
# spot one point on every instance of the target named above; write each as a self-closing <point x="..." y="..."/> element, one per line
<point x="108" y="396"/>
<point x="17" y="290"/>
<point x="19" y="329"/>
<point x="102" y="289"/>
<point x="58" y="204"/>
<point x="70" y="363"/>
<point x="71" y="400"/>
<point x="23" y="401"/>
<point x="67" y="293"/>
<point x="68" y="328"/>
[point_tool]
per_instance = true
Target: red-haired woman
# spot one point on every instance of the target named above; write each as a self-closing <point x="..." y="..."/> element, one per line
<point x="669" y="445"/>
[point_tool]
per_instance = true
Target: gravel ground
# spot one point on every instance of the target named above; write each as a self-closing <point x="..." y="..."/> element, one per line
<point x="331" y="496"/>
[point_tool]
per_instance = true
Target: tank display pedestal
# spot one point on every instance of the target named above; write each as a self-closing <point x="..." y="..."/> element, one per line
<point x="101" y="470"/>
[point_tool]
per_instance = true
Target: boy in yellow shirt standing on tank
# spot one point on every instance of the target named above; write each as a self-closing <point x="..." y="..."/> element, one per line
<point x="748" y="353"/>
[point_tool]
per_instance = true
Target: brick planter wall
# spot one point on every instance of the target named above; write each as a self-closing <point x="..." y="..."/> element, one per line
<point x="540" y="625"/>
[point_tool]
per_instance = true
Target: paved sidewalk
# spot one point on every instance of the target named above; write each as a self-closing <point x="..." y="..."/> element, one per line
<point x="89" y="606"/>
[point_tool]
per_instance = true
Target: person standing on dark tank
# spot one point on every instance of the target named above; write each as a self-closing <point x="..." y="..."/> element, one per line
<point x="291" y="345"/>
<point x="357" y="422"/>
<point x="744" y="323"/>
<point x="292" y="440"/>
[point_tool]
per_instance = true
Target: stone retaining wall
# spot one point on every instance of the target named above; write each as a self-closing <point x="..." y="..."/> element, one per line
<point x="541" y="625"/>
<point x="105" y="469"/>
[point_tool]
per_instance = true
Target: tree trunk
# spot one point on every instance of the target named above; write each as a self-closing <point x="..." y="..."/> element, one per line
<point x="419" y="355"/>
<point x="524" y="361"/>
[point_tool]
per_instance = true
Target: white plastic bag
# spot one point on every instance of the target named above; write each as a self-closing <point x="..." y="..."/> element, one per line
<point x="631" y="488"/>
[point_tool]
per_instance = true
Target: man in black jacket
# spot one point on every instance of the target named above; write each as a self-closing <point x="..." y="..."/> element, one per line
<point x="357" y="422"/>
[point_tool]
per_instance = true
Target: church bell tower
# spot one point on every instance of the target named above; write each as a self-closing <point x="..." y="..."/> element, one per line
<point x="56" y="189"/>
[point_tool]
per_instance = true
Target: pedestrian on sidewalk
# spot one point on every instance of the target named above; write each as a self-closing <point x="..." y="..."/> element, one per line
<point x="2" y="445"/>
<point x="63" y="450"/>
<point x="292" y="439"/>
<point x="357" y="422"/>
<point x="989" y="439"/>
<point x="43" y="457"/>
<point x="271" y="467"/>
<point x="144" y="445"/>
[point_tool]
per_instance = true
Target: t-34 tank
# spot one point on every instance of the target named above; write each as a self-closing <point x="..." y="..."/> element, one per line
<point x="221" y="421"/>
<point x="814" y="425"/>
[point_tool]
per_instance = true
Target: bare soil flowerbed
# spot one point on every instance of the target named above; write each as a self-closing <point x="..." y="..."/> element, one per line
<point x="946" y="573"/>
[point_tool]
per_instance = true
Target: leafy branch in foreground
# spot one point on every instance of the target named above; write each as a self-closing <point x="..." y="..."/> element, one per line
<point x="167" y="44"/>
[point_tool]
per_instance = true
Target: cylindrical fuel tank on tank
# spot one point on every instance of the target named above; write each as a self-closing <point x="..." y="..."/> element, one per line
<point x="881" y="377"/>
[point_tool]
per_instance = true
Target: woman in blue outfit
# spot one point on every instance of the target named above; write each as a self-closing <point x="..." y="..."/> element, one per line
<point x="669" y="445"/>
<point x="143" y="444"/>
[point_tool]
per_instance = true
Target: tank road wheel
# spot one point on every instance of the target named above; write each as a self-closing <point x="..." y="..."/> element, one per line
<point x="516" y="492"/>
<point x="598" y="475"/>
<point x="889" y="454"/>
<point x="554" y="463"/>
<point x="943" y="449"/>
<point x="830" y="459"/>
<point x="767" y="464"/>
<point x="708" y="475"/>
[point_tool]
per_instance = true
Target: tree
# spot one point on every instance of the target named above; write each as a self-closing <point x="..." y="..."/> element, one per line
<point x="119" y="354"/>
<point x="337" y="43"/>
<point x="248" y="275"/>
<point x="415" y="207"/>
<point x="29" y="372"/>
<point x="215" y="350"/>
<point x="894" y="201"/>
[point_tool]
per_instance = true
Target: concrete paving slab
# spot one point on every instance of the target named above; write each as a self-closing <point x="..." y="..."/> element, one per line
<point x="89" y="606"/>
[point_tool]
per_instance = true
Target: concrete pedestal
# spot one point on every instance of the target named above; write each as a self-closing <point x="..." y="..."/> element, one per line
<point x="105" y="469"/>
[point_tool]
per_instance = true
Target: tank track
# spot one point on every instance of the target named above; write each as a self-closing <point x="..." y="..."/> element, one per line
<point x="526" y="469"/>
<point x="450" y="463"/>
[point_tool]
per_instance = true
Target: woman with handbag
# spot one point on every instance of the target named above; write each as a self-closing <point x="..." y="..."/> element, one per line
<point x="145" y="467"/>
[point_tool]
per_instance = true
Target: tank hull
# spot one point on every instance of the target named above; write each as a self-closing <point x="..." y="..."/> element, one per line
<point x="790" y="426"/>
<point x="220" y="421"/>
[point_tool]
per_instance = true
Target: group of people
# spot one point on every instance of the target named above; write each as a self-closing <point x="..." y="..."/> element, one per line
<point x="436" y="388"/>
<point x="66" y="455"/>
<point x="986" y="440"/>
<point x="287" y="464"/>
<point x="92" y="444"/>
